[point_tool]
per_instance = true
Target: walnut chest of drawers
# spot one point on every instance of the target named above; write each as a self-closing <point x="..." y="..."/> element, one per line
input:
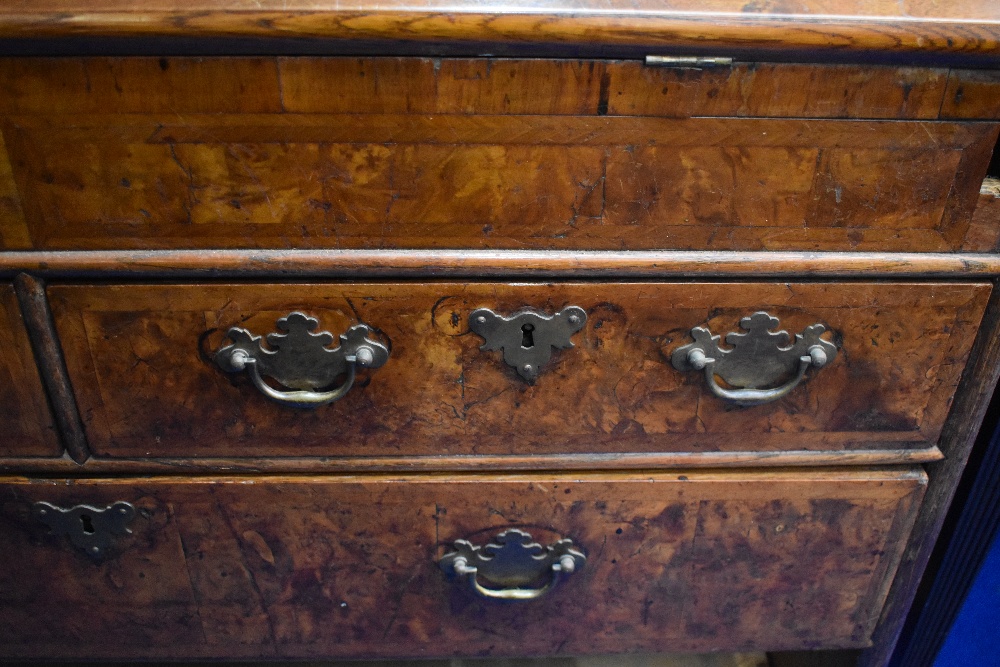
<point x="460" y="331"/>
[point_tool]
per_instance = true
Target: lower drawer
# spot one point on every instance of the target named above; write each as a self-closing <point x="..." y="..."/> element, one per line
<point x="349" y="566"/>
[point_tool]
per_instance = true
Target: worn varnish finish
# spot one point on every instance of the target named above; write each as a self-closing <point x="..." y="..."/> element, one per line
<point x="958" y="438"/>
<point x="505" y="264"/>
<point x="48" y="356"/>
<point x="481" y="153"/>
<point x="346" y="567"/>
<point x="378" y="168"/>
<point x="13" y="229"/>
<point x="141" y="360"/>
<point x="971" y="94"/>
<point x="26" y="424"/>
<point x="812" y="28"/>
<point x="987" y="214"/>
<point x="419" y="181"/>
<point x="422" y="464"/>
<point x="473" y="86"/>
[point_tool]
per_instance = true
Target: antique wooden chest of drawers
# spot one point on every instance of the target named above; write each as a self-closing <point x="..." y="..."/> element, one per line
<point x="389" y="332"/>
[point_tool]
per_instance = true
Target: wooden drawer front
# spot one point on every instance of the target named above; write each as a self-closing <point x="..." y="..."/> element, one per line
<point x="26" y="425"/>
<point x="411" y="153"/>
<point x="347" y="567"/>
<point x="141" y="361"/>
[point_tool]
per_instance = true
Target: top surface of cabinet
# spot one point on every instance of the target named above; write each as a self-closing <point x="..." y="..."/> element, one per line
<point x="833" y="28"/>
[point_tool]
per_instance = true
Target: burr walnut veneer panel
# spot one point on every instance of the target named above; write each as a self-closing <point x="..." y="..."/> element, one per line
<point x="390" y="173"/>
<point x="346" y="567"/>
<point x="141" y="361"/>
<point x="422" y="153"/>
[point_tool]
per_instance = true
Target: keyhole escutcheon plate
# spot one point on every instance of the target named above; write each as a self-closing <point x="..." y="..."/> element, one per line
<point x="528" y="336"/>
<point x="92" y="529"/>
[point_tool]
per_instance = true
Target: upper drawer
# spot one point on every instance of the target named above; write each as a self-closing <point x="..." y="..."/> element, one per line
<point x="420" y="153"/>
<point x="143" y="363"/>
<point x="26" y="424"/>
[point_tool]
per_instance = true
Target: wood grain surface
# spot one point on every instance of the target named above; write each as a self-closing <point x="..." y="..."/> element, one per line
<point x="484" y="153"/>
<point x="503" y="264"/>
<point x="848" y="28"/>
<point x="985" y="218"/>
<point x="958" y="438"/>
<point x="41" y="331"/>
<point x="26" y="423"/>
<point x="13" y="228"/>
<point x="115" y="85"/>
<point x="141" y="360"/>
<point x="243" y="465"/>
<point x="346" y="567"/>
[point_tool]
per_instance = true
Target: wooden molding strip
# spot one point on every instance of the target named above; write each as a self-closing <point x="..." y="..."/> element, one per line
<point x="401" y="464"/>
<point x="493" y="264"/>
<point x="48" y="355"/>
<point x="969" y="31"/>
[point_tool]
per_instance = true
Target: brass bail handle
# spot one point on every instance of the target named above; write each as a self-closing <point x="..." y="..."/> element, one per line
<point x="559" y="570"/>
<point x="512" y="562"/>
<point x="301" y="360"/>
<point x="756" y="360"/>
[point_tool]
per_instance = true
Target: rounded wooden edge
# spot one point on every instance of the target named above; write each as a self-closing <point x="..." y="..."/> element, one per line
<point x="571" y="25"/>
<point x="487" y="264"/>
<point x="423" y="464"/>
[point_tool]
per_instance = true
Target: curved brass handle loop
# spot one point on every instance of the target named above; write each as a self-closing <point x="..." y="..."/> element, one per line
<point x="514" y="563"/>
<point x="300" y="360"/>
<point x="748" y="397"/>
<point x="560" y="570"/>
<point x="756" y="360"/>
<point x="299" y="399"/>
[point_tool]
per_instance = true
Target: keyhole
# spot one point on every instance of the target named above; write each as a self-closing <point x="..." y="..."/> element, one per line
<point x="527" y="338"/>
<point x="88" y="525"/>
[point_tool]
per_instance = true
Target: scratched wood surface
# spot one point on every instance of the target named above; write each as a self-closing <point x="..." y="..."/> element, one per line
<point x="141" y="360"/>
<point x="115" y="85"/>
<point x="984" y="220"/>
<point x="346" y="567"/>
<point x="26" y="424"/>
<point x="845" y="28"/>
<point x="459" y="153"/>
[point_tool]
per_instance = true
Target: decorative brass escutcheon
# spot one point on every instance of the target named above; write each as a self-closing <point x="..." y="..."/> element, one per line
<point x="512" y="564"/>
<point x="300" y="360"/>
<point x="759" y="359"/>
<point x="527" y="337"/>
<point x="92" y="529"/>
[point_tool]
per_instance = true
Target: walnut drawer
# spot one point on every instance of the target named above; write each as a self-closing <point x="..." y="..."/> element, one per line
<point x="26" y="424"/>
<point x="347" y="566"/>
<point x="483" y="153"/>
<point x="141" y="359"/>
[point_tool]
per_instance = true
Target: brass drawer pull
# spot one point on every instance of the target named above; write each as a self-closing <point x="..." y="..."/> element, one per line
<point x="527" y="337"/>
<point x="300" y="360"/>
<point x="758" y="358"/>
<point x="512" y="562"/>
<point x="92" y="529"/>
